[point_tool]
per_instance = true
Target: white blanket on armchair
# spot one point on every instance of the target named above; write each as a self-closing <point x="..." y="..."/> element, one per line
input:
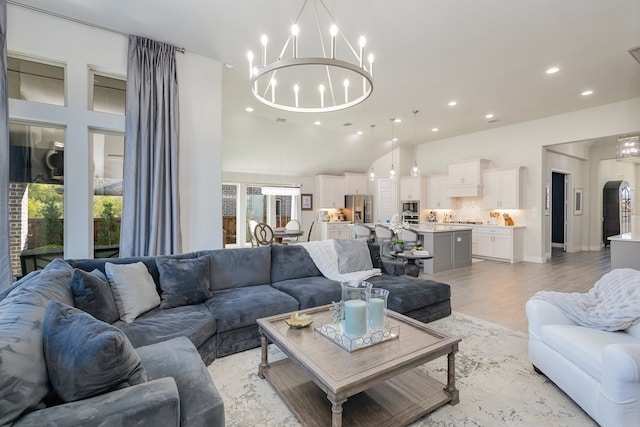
<point x="612" y="304"/>
<point x="324" y="255"/>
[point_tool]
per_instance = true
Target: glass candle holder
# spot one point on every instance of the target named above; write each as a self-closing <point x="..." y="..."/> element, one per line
<point x="355" y="300"/>
<point x="377" y="309"/>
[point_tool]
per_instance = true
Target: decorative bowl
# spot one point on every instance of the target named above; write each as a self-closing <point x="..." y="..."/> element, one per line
<point x="299" y="321"/>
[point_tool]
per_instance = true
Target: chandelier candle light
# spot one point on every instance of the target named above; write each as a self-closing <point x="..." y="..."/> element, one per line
<point x="298" y="75"/>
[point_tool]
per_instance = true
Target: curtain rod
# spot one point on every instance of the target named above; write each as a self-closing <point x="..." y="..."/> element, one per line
<point x="76" y="20"/>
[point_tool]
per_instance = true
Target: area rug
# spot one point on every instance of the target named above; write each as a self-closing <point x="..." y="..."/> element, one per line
<point x="497" y="384"/>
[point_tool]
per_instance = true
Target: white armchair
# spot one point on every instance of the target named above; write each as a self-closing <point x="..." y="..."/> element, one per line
<point x="599" y="370"/>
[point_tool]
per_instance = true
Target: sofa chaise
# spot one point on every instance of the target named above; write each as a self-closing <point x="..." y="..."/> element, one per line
<point x="242" y="286"/>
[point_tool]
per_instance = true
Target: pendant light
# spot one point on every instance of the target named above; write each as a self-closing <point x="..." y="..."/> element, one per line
<point x="414" y="169"/>
<point x="372" y="174"/>
<point x="392" y="170"/>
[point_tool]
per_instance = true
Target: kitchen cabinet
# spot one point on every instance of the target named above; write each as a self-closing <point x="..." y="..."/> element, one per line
<point x="465" y="178"/>
<point x="414" y="188"/>
<point x="437" y="196"/>
<point x="449" y="246"/>
<point x="501" y="243"/>
<point x="502" y="188"/>
<point x="332" y="230"/>
<point x="329" y="192"/>
<point x="355" y="183"/>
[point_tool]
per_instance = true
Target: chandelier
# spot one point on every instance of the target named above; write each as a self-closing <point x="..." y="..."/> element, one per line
<point x="318" y="83"/>
<point x="628" y="147"/>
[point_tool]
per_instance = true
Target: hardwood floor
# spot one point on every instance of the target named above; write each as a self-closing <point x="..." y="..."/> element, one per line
<point x="497" y="291"/>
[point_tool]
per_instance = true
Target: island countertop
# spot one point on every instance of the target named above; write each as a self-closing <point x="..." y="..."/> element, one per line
<point x="437" y="228"/>
<point x="626" y="237"/>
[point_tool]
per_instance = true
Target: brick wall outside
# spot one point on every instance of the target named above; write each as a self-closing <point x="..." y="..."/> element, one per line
<point x="18" y="223"/>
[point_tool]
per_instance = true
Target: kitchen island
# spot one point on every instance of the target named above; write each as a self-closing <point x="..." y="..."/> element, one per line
<point x="449" y="245"/>
<point x="625" y="250"/>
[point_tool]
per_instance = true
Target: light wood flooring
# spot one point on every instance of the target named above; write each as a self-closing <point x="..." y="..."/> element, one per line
<point x="497" y="291"/>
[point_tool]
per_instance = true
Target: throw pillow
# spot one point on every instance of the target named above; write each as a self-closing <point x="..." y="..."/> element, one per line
<point x="86" y="357"/>
<point x="93" y="294"/>
<point x="133" y="289"/>
<point x="183" y="281"/>
<point x="353" y="255"/>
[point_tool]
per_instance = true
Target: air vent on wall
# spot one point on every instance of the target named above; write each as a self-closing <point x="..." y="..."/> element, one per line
<point x="635" y="52"/>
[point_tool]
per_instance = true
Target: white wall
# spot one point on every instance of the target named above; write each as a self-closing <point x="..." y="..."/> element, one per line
<point x="522" y="145"/>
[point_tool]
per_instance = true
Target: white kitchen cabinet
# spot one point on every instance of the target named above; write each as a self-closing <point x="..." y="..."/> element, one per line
<point x="502" y="188"/>
<point x="501" y="243"/>
<point x="465" y="178"/>
<point x="414" y="188"/>
<point x="332" y="230"/>
<point x="355" y="183"/>
<point x="437" y="197"/>
<point x="329" y="192"/>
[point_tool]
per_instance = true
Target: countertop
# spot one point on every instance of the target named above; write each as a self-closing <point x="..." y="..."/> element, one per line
<point x="626" y="237"/>
<point x="460" y="224"/>
<point x="438" y="228"/>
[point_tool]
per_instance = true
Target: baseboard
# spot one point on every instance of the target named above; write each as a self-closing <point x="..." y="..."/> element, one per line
<point x="538" y="260"/>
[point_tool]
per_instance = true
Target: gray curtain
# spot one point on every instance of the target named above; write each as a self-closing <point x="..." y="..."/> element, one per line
<point x="6" y="277"/>
<point x="151" y="202"/>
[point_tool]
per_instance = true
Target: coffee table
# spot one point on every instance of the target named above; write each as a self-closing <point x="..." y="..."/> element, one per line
<point x="380" y="385"/>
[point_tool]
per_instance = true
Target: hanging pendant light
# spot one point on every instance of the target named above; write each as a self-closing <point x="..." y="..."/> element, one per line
<point x="414" y="169"/>
<point x="392" y="170"/>
<point x="372" y="174"/>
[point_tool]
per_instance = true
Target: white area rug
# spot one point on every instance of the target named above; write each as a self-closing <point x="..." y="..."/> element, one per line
<point x="497" y="384"/>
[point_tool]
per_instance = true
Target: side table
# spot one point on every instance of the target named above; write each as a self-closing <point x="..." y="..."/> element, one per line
<point x="411" y="269"/>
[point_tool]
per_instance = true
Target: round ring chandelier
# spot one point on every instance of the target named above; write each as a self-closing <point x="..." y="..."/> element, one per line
<point x="313" y="84"/>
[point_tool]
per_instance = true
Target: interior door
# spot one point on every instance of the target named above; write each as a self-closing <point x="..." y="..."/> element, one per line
<point x="558" y="210"/>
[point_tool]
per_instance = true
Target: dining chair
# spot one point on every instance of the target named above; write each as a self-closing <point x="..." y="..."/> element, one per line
<point x="310" y="228"/>
<point x="263" y="234"/>
<point x="383" y="238"/>
<point x="410" y="238"/>
<point x="251" y="228"/>
<point x="362" y="232"/>
<point x="293" y="224"/>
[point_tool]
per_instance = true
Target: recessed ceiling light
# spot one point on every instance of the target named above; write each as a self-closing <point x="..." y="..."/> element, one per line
<point x="228" y="66"/>
<point x="317" y="123"/>
<point x="452" y="103"/>
<point x="489" y="116"/>
<point x="587" y="93"/>
<point x="552" y="70"/>
<point x="395" y="139"/>
<point x="435" y="130"/>
<point x="359" y="132"/>
<point x="397" y="120"/>
<point x="249" y="110"/>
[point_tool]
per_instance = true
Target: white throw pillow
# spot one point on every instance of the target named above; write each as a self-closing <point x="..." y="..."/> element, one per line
<point x="133" y="289"/>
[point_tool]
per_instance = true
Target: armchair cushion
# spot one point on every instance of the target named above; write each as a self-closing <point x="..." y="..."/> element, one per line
<point x="102" y="358"/>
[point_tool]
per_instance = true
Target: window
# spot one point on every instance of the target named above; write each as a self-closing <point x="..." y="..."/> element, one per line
<point x="35" y="81"/>
<point x="36" y="177"/>
<point x="229" y="209"/>
<point x="108" y="156"/>
<point x="108" y="94"/>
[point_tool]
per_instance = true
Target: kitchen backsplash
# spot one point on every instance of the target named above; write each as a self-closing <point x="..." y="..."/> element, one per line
<point x="472" y="209"/>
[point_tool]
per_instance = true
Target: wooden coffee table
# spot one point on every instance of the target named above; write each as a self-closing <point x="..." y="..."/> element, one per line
<point x="378" y="385"/>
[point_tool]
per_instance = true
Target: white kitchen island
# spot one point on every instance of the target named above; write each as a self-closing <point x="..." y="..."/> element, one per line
<point x="625" y="250"/>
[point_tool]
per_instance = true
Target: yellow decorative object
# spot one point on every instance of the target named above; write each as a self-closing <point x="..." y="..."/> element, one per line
<point x="298" y="321"/>
<point x="508" y="220"/>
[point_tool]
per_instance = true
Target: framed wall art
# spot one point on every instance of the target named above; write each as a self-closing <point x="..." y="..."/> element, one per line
<point x="307" y="202"/>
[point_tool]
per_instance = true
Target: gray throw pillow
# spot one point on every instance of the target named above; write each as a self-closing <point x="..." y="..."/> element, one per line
<point x="183" y="281"/>
<point x="92" y="293"/>
<point x="133" y="289"/>
<point x="353" y="255"/>
<point x="86" y="357"/>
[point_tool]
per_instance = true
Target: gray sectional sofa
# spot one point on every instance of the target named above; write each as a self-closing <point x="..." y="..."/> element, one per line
<point x="244" y="284"/>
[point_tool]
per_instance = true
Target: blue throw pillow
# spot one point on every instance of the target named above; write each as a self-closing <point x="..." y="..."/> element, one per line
<point x="86" y="357"/>
<point x="92" y="293"/>
<point x="183" y="281"/>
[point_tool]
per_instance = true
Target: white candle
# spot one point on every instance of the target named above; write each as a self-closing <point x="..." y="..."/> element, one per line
<point x="376" y="313"/>
<point x="355" y="317"/>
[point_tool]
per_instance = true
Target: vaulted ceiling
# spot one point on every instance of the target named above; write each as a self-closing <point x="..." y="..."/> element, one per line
<point x="490" y="56"/>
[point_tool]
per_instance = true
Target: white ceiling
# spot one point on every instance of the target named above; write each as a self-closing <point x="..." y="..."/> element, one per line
<point x="488" y="55"/>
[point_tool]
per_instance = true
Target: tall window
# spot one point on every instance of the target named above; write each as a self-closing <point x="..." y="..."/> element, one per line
<point x="229" y="209"/>
<point x="108" y="156"/>
<point x="36" y="178"/>
<point x="108" y="94"/>
<point x="35" y="81"/>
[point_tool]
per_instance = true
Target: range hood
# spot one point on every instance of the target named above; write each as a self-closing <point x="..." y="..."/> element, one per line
<point x="471" y="190"/>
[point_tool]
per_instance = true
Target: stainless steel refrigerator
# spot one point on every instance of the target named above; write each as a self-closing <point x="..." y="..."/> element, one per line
<point x="358" y="208"/>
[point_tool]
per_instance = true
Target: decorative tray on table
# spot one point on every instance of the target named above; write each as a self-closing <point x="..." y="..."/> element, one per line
<point x="334" y="332"/>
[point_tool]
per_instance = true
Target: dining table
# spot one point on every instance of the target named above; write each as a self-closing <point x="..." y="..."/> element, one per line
<point x="281" y="233"/>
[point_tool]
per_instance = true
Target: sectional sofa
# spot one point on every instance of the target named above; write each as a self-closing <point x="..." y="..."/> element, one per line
<point x="240" y="286"/>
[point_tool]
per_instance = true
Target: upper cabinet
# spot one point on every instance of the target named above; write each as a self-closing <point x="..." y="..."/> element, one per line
<point x="413" y="188"/>
<point x="355" y="183"/>
<point x="437" y="195"/>
<point x="502" y="188"/>
<point x="329" y="192"/>
<point x="465" y="178"/>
